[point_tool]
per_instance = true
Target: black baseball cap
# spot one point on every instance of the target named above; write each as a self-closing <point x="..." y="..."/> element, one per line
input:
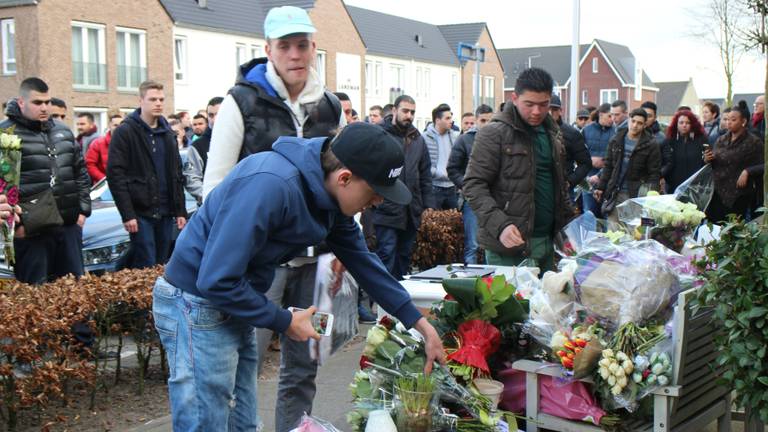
<point x="375" y="156"/>
<point x="582" y="114"/>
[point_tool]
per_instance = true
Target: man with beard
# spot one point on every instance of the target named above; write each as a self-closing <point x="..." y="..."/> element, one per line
<point x="396" y="225"/>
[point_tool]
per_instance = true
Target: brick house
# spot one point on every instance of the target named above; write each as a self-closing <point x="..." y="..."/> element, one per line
<point x="93" y="57"/>
<point x="211" y="38"/>
<point x="607" y="72"/>
<point x="491" y="70"/>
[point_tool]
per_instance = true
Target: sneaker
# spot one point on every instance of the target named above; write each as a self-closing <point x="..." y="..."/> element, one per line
<point x="364" y="315"/>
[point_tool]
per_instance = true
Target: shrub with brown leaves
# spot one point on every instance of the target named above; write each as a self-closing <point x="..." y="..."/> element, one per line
<point x="37" y="349"/>
<point x="440" y="239"/>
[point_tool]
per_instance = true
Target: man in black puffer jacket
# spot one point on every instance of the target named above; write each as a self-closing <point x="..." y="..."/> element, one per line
<point x="396" y="225"/>
<point x="50" y="159"/>
<point x="144" y="175"/>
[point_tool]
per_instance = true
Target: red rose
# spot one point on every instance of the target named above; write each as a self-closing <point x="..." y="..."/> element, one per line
<point x="13" y="195"/>
<point x="386" y="322"/>
<point x="448" y="297"/>
<point x="364" y="362"/>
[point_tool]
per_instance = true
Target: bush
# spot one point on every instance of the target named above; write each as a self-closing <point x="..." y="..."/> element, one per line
<point x="40" y="358"/>
<point x="440" y="239"/>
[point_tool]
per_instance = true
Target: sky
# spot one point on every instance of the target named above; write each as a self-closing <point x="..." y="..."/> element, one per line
<point x="660" y="33"/>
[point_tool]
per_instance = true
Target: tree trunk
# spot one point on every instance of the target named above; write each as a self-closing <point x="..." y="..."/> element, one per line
<point x="765" y="148"/>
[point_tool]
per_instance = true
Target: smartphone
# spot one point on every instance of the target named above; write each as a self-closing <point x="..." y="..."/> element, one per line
<point x="321" y="321"/>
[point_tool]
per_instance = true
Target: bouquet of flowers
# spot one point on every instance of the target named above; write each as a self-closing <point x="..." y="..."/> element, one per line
<point x="662" y="218"/>
<point x="10" y="172"/>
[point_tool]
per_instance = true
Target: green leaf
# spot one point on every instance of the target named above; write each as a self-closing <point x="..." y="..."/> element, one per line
<point x="757" y="312"/>
<point x="763" y="380"/>
<point x="510" y="311"/>
<point x="463" y="291"/>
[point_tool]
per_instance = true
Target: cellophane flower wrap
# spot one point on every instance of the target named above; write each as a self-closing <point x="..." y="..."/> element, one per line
<point x="10" y="172"/>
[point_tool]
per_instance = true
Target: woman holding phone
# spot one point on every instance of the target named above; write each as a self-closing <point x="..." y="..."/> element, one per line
<point x="733" y="162"/>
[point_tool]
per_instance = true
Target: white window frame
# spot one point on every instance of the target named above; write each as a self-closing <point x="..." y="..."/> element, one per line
<point x="595" y="63"/>
<point x="321" y="65"/>
<point x="241" y="54"/>
<point x="257" y="51"/>
<point x="369" y="70"/>
<point x="378" y="76"/>
<point x="180" y="64"/>
<point x="127" y="32"/>
<point x="8" y="27"/>
<point x="419" y="81"/>
<point x="584" y="97"/>
<point x="489" y="83"/>
<point x="397" y="79"/>
<point x="102" y="52"/>
<point x="605" y="95"/>
<point x="99" y="117"/>
<point x="427" y="82"/>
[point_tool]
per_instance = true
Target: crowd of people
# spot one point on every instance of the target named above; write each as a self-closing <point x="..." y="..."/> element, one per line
<point x="287" y="166"/>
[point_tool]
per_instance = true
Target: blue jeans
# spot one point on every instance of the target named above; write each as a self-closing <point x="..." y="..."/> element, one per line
<point x="394" y="248"/>
<point x="446" y="198"/>
<point x="212" y="360"/>
<point x="151" y="245"/>
<point x="470" y="234"/>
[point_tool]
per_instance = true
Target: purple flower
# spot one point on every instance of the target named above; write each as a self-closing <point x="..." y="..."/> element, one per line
<point x="13" y="195"/>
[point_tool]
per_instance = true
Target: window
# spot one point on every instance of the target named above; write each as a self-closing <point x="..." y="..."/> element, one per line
<point x="489" y="96"/>
<point x="369" y="71"/>
<point x="99" y="118"/>
<point x="131" y="58"/>
<point x="320" y="65"/>
<point x="419" y="81"/>
<point x="373" y="78"/>
<point x="397" y="77"/>
<point x="240" y="55"/>
<point x="180" y="58"/>
<point x="427" y="82"/>
<point x="256" y="51"/>
<point x="594" y="65"/>
<point x="608" y="96"/>
<point x="584" y="97"/>
<point x="89" y="68"/>
<point x="9" y="46"/>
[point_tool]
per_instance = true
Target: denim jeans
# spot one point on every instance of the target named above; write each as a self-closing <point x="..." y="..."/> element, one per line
<point x="49" y="255"/>
<point x="394" y="248"/>
<point x="212" y="359"/>
<point x="445" y="197"/>
<point x="292" y="286"/>
<point x="470" y="234"/>
<point x="151" y="245"/>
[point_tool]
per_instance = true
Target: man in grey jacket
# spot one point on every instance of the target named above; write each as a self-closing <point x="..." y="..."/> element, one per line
<point x="197" y="154"/>
<point x="439" y="138"/>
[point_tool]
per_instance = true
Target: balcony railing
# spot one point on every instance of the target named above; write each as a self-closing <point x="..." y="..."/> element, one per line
<point x="89" y="75"/>
<point x="129" y="77"/>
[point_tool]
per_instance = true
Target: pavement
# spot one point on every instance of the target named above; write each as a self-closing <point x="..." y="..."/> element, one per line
<point x="332" y="401"/>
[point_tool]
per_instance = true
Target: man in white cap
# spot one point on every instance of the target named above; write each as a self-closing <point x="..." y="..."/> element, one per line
<point x="280" y="95"/>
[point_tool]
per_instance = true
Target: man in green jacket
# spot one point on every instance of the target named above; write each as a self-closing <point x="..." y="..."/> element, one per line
<point x="515" y="180"/>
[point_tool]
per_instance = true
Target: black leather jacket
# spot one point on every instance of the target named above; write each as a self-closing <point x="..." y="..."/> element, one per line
<point x="49" y="149"/>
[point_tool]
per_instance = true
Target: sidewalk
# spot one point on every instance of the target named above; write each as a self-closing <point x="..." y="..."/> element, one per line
<point x="331" y="402"/>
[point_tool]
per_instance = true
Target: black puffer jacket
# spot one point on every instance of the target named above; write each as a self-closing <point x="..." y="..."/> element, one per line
<point x="578" y="161"/>
<point x="457" y="163"/>
<point x="416" y="175"/>
<point x="132" y="175"/>
<point x="49" y="148"/>
<point x="266" y="117"/>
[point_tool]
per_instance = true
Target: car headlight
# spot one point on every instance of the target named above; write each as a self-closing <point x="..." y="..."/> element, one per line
<point x="106" y="254"/>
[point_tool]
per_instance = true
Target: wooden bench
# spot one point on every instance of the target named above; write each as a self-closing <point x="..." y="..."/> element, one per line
<point x="691" y="401"/>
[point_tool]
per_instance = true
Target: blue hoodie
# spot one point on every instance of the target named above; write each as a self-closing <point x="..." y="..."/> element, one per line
<point x="272" y="206"/>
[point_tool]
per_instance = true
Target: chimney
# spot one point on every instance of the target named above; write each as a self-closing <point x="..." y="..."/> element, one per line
<point x="202" y="3"/>
<point x="419" y="39"/>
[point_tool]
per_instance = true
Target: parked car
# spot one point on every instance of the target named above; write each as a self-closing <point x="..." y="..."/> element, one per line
<point x="106" y="244"/>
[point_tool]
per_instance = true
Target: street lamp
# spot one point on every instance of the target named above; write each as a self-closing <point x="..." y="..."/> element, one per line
<point x="475" y="53"/>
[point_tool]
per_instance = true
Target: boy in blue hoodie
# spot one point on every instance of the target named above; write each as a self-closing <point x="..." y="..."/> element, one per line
<point x="271" y="207"/>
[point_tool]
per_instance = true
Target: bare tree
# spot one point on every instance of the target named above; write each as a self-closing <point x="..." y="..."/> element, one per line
<point x="756" y="38"/>
<point x="722" y="21"/>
